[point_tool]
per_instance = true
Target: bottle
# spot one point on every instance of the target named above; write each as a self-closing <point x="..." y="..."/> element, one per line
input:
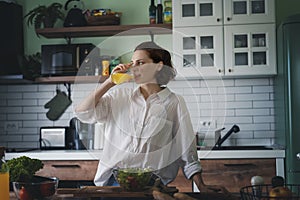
<point x="4" y="177"/>
<point x="152" y="13"/>
<point x="159" y="12"/>
<point x="105" y="67"/>
<point x="168" y="11"/>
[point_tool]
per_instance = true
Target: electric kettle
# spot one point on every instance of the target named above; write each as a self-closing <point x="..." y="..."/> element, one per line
<point x="75" y="16"/>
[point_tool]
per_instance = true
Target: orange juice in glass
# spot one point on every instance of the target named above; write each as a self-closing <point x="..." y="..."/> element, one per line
<point x="4" y="184"/>
<point x="118" y="78"/>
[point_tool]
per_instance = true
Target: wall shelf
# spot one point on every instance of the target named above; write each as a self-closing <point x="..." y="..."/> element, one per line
<point x="101" y="31"/>
<point x="70" y="79"/>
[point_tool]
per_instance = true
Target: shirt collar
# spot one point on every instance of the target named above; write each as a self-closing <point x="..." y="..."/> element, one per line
<point x="163" y="94"/>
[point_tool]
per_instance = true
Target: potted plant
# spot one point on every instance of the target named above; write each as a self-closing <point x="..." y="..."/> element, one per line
<point x="45" y="15"/>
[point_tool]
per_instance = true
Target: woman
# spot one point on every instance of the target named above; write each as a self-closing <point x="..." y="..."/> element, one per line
<point x="145" y="127"/>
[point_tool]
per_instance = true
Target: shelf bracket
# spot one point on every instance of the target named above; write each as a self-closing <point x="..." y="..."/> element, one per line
<point x="68" y="86"/>
<point x="151" y="36"/>
<point x="68" y="39"/>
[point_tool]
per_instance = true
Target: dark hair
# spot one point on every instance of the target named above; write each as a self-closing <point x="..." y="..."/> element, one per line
<point x="157" y="54"/>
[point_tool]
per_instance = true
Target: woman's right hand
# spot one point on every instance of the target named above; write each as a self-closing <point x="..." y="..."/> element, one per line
<point x="121" y="68"/>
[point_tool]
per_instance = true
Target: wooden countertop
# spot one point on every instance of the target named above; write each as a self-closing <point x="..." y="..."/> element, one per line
<point x="112" y="191"/>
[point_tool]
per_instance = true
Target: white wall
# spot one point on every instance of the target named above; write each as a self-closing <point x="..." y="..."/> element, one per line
<point x="246" y="102"/>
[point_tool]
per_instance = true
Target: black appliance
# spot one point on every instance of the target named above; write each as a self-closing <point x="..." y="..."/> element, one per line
<point x="11" y="38"/>
<point x="73" y="140"/>
<point x="75" y="16"/>
<point x="69" y="59"/>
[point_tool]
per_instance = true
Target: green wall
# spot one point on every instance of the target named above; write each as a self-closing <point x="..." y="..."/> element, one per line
<point x="133" y="12"/>
<point x="285" y="8"/>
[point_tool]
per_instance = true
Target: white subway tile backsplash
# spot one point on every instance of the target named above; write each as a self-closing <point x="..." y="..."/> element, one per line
<point x="246" y="102"/>
<point x="22" y="102"/>
<point x="263" y="89"/>
<point x="236" y="90"/>
<point x="250" y="82"/>
<point x="263" y="119"/>
<point x="253" y="97"/>
<point x="252" y="112"/>
<point x="263" y="104"/>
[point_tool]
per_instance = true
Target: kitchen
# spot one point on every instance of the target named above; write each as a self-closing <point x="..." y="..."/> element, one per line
<point x="249" y="101"/>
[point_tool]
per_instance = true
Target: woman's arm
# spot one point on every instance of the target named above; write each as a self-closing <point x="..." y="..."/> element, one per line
<point x="92" y="100"/>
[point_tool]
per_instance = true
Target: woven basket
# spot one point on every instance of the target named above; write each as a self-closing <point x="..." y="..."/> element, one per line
<point x="104" y="20"/>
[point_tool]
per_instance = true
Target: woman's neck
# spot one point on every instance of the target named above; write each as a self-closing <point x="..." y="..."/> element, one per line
<point x="149" y="89"/>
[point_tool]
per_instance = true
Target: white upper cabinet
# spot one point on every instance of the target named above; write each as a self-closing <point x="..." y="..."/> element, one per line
<point x="249" y="11"/>
<point x="218" y="12"/>
<point x="198" y="51"/>
<point x="250" y="49"/>
<point x="224" y="38"/>
<point x="197" y="13"/>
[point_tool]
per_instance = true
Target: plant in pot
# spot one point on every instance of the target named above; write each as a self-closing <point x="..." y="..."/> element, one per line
<point x="45" y="15"/>
<point x="25" y="183"/>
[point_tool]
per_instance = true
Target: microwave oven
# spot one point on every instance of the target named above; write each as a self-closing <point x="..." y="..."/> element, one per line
<point x="69" y="59"/>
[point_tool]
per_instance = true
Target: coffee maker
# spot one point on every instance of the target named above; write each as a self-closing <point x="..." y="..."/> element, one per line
<point x="73" y="140"/>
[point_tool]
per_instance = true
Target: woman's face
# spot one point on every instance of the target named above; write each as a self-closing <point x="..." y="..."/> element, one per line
<point x="143" y="68"/>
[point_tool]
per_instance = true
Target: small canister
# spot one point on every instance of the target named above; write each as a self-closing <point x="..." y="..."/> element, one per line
<point x="105" y="67"/>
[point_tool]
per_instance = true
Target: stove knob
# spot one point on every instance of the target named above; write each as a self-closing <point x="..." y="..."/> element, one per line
<point x="298" y="156"/>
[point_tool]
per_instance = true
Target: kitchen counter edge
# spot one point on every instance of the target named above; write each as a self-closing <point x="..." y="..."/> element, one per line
<point x="96" y="154"/>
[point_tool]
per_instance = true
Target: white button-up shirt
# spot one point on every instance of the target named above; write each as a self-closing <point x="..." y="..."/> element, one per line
<point x="156" y="133"/>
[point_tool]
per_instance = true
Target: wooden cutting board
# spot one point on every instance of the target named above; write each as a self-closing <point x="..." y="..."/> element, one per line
<point x="113" y="191"/>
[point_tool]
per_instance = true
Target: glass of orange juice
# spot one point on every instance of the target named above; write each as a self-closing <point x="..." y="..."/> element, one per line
<point x="4" y="184"/>
<point x="122" y="77"/>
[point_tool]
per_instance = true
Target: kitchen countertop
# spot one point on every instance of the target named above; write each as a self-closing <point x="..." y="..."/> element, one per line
<point x="96" y="154"/>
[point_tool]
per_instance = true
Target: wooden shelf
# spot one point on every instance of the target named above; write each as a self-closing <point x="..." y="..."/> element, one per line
<point x="71" y="79"/>
<point x="94" y="31"/>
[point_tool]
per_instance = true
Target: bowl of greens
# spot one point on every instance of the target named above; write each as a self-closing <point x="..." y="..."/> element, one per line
<point x="24" y="182"/>
<point x="133" y="179"/>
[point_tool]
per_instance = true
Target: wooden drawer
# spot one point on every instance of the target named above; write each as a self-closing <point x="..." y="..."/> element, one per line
<point x="236" y="173"/>
<point x="70" y="170"/>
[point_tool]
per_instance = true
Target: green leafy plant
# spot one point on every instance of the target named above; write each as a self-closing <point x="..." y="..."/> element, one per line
<point x="31" y="66"/>
<point x="23" y="168"/>
<point x="45" y="15"/>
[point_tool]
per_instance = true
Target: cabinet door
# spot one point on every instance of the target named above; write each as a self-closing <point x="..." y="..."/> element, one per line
<point x="250" y="49"/>
<point x="197" y="12"/>
<point x="234" y="174"/>
<point x="198" y="51"/>
<point x="249" y="11"/>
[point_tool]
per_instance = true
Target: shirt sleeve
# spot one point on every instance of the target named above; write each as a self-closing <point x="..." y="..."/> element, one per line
<point x="189" y="159"/>
<point x="97" y="114"/>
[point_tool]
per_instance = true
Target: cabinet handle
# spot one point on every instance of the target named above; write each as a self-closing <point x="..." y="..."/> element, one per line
<point x="219" y="70"/>
<point x="240" y="165"/>
<point x="228" y="18"/>
<point x="66" y="166"/>
<point x="218" y="19"/>
<point x="298" y="156"/>
<point x="229" y="70"/>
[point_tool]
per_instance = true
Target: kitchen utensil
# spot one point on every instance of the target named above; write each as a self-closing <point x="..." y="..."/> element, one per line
<point x="75" y="16"/>
<point x="57" y="105"/>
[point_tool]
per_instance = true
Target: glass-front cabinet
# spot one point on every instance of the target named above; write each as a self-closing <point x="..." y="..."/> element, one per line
<point x="250" y="49"/>
<point x="229" y="37"/>
<point x="218" y="12"/>
<point x="198" y="50"/>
